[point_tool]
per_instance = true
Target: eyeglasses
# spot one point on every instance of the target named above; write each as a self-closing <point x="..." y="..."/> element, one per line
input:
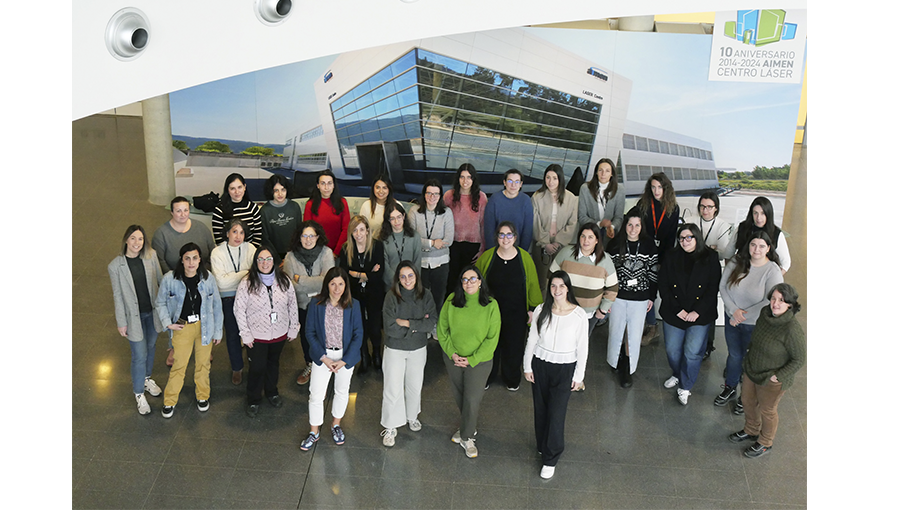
<point x="685" y="239"/>
<point x="326" y="184"/>
<point x="513" y="183"/>
<point x="432" y="194"/>
<point x="396" y="218"/>
<point x="707" y="207"/>
<point x="473" y="279"/>
<point x="266" y="259"/>
<point x="506" y="236"/>
<point x="410" y="276"/>
<point x="308" y="236"/>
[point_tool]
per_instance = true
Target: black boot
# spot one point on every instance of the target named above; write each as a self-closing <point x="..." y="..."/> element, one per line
<point x="376" y="356"/>
<point x="624" y="370"/>
<point x="364" y="359"/>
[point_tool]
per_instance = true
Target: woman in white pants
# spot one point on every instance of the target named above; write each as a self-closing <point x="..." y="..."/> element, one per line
<point x="335" y="331"/>
<point x="409" y="315"/>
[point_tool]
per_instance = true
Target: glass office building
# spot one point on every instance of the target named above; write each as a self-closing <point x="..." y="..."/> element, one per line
<point x="443" y="112"/>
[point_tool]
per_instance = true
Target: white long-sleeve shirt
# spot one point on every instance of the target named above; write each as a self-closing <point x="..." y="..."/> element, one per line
<point x="563" y="339"/>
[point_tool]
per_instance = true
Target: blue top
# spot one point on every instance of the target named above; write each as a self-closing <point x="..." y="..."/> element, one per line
<point x="353" y="332"/>
<point x="517" y="210"/>
<point x="170" y="300"/>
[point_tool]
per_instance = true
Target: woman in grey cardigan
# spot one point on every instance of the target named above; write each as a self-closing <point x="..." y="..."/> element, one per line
<point x="555" y="220"/>
<point x="135" y="277"/>
<point x="306" y="265"/>
<point x="409" y="315"/>
<point x="434" y="223"/>
<point x="600" y="201"/>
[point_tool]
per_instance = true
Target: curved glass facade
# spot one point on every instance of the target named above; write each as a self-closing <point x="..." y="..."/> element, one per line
<point x="448" y="112"/>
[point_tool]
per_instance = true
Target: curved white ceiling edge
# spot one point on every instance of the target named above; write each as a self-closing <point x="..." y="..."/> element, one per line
<point x="197" y="42"/>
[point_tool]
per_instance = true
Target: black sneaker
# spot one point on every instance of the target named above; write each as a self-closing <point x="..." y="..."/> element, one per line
<point x="276" y="401"/>
<point x="738" y="408"/>
<point x="168" y="411"/>
<point x="203" y="405"/>
<point x="727" y="394"/>
<point x="757" y="450"/>
<point x="252" y="410"/>
<point x="740" y="435"/>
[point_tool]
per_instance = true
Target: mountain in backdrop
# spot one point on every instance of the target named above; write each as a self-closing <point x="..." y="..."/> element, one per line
<point x="237" y="146"/>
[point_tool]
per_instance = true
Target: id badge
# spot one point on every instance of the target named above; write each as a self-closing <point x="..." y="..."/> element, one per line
<point x="193" y="318"/>
<point x="631" y="283"/>
<point x="273" y="317"/>
<point x="657" y="242"/>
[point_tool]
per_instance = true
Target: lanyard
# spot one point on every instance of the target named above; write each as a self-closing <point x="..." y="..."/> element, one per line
<point x="400" y="248"/>
<point x="237" y="267"/>
<point x="656" y="224"/>
<point x="706" y="237"/>
<point x="428" y="231"/>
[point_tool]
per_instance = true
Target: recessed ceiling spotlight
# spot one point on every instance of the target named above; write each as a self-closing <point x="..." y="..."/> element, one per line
<point x="272" y="12"/>
<point x="127" y="34"/>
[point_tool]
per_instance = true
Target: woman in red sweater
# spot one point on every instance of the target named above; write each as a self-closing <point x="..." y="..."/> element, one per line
<point x="334" y="215"/>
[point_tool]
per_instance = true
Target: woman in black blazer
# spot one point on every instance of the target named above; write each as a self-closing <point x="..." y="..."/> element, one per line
<point x="688" y="286"/>
<point x="363" y="259"/>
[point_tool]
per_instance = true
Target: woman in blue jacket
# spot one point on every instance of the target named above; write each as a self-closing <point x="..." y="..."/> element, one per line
<point x="189" y="306"/>
<point x="335" y="331"/>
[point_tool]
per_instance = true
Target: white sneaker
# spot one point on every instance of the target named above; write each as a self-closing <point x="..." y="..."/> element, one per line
<point x="683" y="396"/>
<point x="547" y="472"/>
<point x="671" y="382"/>
<point x="415" y="425"/>
<point x="143" y="406"/>
<point x="388" y="435"/>
<point x="469" y="446"/>
<point x="151" y="387"/>
<point x="456" y="438"/>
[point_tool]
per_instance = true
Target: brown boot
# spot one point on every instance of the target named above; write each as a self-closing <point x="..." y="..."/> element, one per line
<point x="650" y="333"/>
<point x="236" y="377"/>
<point x="171" y="359"/>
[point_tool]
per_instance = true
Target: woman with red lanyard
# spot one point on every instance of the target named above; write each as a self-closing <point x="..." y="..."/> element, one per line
<point x="660" y="212"/>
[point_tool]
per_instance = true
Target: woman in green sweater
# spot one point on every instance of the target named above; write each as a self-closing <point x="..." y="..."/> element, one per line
<point x="777" y="351"/>
<point x="468" y="331"/>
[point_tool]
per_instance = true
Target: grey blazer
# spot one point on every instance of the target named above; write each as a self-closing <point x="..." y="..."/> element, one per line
<point x="589" y="211"/>
<point x="125" y="297"/>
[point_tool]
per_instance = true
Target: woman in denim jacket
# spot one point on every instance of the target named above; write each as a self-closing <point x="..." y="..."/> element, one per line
<point x="190" y="307"/>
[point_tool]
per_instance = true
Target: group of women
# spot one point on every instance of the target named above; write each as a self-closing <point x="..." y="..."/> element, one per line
<point x="346" y="279"/>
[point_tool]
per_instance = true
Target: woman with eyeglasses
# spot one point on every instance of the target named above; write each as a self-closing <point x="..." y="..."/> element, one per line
<point x="509" y="205"/>
<point x="555" y="220"/>
<point x="555" y="361"/>
<point x="761" y="216"/>
<point x="373" y="209"/>
<point x="328" y="208"/>
<point x="434" y="223"/>
<point x="265" y="307"/>
<point x="510" y="273"/>
<point x="467" y="202"/>
<point x="236" y="204"/>
<point x="468" y="331"/>
<point x="401" y="241"/>
<point x="601" y="202"/>
<point x="306" y="265"/>
<point x="363" y="258"/>
<point x="230" y="263"/>
<point x="688" y="286"/>
<point x="717" y="234"/>
<point x="409" y="315"/>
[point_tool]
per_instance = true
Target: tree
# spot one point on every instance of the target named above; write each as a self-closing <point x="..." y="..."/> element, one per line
<point x="213" y="146"/>
<point x="256" y="150"/>
<point x="180" y="145"/>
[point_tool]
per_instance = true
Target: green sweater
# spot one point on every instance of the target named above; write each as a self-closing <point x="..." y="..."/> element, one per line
<point x="471" y="331"/>
<point x="777" y="346"/>
<point x="531" y="288"/>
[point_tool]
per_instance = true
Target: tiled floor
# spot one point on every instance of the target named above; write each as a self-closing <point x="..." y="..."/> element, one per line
<point x="634" y="448"/>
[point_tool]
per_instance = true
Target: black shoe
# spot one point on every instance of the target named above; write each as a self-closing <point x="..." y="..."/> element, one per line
<point x="624" y="370"/>
<point x="252" y="410"/>
<point x="708" y="352"/>
<point x="376" y="360"/>
<point x="757" y="450"/>
<point x="363" y="365"/>
<point x="740" y="435"/>
<point x="727" y="394"/>
<point x="276" y="401"/>
<point x="738" y="408"/>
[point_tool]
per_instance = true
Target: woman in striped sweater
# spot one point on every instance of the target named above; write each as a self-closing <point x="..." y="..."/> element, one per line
<point x="235" y="204"/>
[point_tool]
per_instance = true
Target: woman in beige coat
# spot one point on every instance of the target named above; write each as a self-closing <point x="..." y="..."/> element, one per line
<point x="555" y="220"/>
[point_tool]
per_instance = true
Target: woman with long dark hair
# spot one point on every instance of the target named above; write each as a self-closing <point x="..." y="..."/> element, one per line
<point x="328" y="208"/>
<point x="401" y="242"/>
<point x="230" y="263"/>
<point x="434" y="223"/>
<point x="745" y="285"/>
<point x="555" y="361"/>
<point x="555" y="220"/>
<point x="363" y="259"/>
<point x="509" y="271"/>
<point x="265" y="307"/>
<point x="409" y="315"/>
<point x="280" y="215"/>
<point x="637" y="266"/>
<point x="382" y="193"/>
<point x="468" y="331"/>
<point x="189" y="306"/>
<point x="335" y="331"/>
<point x="306" y="265"/>
<point x="601" y="202"/>
<point x="761" y="216"/>
<point x="688" y="285"/>
<point x="467" y="202"/>
<point x="135" y="277"/>
<point x="235" y="204"/>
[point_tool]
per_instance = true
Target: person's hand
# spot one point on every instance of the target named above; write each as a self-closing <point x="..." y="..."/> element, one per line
<point x="216" y="341"/>
<point x="376" y="268"/>
<point x="437" y="244"/>
<point x="604" y="223"/>
<point x="123" y="331"/>
<point x="249" y="344"/>
<point x="692" y="317"/>
<point x="337" y="365"/>
<point x="773" y="378"/>
<point x="460" y="361"/>
<point x="530" y="316"/>
<point x="610" y="231"/>
<point x="711" y="246"/>
<point x="551" y="249"/>
<point x="176" y="327"/>
<point x="403" y="323"/>
<point x="363" y="277"/>
<point x="649" y="305"/>
<point x="529" y="376"/>
<point x="599" y="314"/>
<point x="738" y="316"/>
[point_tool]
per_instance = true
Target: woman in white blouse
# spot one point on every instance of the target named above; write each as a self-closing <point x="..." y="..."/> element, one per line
<point x="555" y="360"/>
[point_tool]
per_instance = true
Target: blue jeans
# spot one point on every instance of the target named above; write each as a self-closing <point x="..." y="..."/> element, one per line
<point x="684" y="349"/>
<point x="738" y="340"/>
<point x="142" y="353"/>
<point x="232" y="335"/>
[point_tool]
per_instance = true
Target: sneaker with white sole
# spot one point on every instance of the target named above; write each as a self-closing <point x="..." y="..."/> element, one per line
<point x="415" y="425"/>
<point x="337" y="433"/>
<point x="547" y="472"/>
<point x="168" y="411"/>
<point x="310" y="440"/>
<point x="303" y="378"/>
<point x="389" y="435"/>
<point x="151" y="387"/>
<point x="203" y="405"/>
<point x="728" y="393"/>
<point x="456" y="438"/>
<point x="671" y="382"/>
<point x="469" y="446"/>
<point x="683" y="396"/>
<point x="143" y="406"/>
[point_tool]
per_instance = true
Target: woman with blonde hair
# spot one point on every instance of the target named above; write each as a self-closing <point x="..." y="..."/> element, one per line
<point x="363" y="259"/>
